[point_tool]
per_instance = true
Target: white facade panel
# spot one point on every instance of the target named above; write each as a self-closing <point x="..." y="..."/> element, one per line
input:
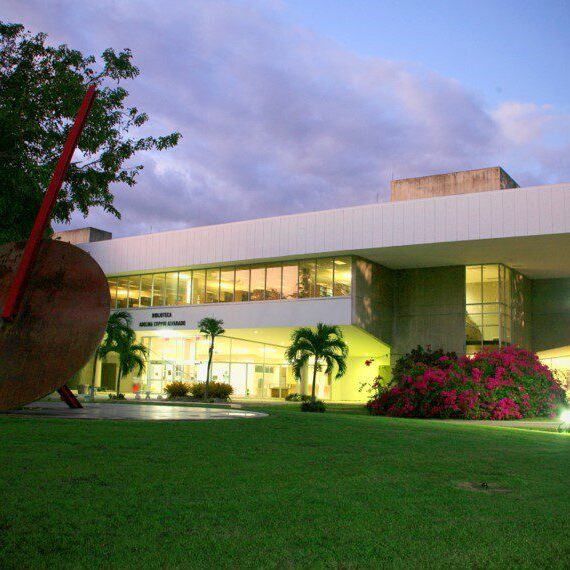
<point x="558" y="209"/>
<point x="261" y="314"/>
<point x="539" y="210"/>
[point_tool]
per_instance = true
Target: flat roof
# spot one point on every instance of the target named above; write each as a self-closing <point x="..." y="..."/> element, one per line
<point x="526" y="228"/>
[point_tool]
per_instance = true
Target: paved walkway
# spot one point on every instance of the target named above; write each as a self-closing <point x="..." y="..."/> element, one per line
<point x="138" y="412"/>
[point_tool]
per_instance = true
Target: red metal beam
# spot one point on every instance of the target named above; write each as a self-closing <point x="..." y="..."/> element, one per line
<point x="69" y="397"/>
<point x="18" y="285"/>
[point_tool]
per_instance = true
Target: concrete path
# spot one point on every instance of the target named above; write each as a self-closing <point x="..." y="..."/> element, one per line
<point x="138" y="412"/>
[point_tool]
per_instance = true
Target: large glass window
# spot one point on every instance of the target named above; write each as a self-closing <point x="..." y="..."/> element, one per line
<point x="257" y="281"/>
<point x="227" y="285"/>
<point x="290" y="280"/>
<point x="134" y="290"/>
<point x="342" y="276"/>
<point x="323" y="277"/>
<point x="198" y="287"/>
<point x="273" y="282"/>
<point x="158" y="290"/>
<point x="122" y="292"/>
<point x="490" y="289"/>
<point x="488" y="294"/>
<point x="113" y="291"/>
<point x="307" y="270"/>
<point x="242" y="285"/>
<point x="171" y="289"/>
<point x="212" y="285"/>
<point x="185" y="288"/>
<point x="146" y="291"/>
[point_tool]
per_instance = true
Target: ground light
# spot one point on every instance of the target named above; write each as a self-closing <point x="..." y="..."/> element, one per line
<point x="565" y="420"/>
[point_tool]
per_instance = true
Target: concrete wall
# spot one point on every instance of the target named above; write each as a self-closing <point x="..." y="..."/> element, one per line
<point x="82" y="235"/>
<point x="429" y="309"/>
<point x="550" y="313"/>
<point x="465" y="182"/>
<point x="373" y="298"/>
<point x="521" y="307"/>
<point x="356" y="385"/>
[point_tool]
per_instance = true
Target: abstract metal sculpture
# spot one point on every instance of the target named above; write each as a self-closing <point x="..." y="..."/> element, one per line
<point x="55" y="301"/>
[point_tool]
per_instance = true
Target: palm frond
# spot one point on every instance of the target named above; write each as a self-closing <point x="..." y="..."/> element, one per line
<point x="298" y="363"/>
<point x="211" y="327"/>
<point x="335" y="361"/>
<point x="325" y="344"/>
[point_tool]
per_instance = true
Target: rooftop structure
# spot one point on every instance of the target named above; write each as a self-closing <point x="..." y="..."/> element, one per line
<point x="464" y="182"/>
<point x="82" y="235"/>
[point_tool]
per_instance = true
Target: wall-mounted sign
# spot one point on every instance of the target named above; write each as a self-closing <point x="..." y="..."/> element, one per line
<point x="161" y="320"/>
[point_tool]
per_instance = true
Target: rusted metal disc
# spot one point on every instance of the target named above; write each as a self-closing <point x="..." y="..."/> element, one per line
<point x="61" y="320"/>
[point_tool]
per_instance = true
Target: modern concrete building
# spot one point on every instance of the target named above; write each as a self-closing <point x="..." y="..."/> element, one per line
<point x="460" y="261"/>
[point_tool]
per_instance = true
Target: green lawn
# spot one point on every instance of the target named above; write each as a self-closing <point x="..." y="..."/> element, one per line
<point x="340" y="489"/>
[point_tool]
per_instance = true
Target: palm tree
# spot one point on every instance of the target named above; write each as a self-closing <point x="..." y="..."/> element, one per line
<point x="325" y="344"/>
<point x="212" y="328"/>
<point x="118" y="325"/>
<point x="132" y="356"/>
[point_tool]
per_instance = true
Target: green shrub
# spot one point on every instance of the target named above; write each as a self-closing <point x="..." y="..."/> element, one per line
<point x="316" y="406"/>
<point x="217" y="390"/>
<point x="177" y="389"/>
<point x="297" y="398"/>
<point x="421" y="356"/>
<point x="501" y="384"/>
<point x="116" y="396"/>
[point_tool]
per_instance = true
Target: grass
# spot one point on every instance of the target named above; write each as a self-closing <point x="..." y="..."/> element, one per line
<point x="340" y="489"/>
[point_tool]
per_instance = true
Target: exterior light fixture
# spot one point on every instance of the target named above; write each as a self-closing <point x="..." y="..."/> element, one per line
<point x="565" y="421"/>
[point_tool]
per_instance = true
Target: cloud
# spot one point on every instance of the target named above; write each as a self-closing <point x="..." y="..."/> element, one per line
<point x="522" y="123"/>
<point x="277" y="119"/>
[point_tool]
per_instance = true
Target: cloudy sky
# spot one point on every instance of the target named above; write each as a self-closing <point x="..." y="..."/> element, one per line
<point x="295" y="105"/>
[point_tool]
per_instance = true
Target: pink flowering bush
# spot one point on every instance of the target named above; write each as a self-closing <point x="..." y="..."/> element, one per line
<point x="503" y="384"/>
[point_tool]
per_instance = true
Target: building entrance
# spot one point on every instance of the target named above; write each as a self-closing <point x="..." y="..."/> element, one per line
<point x="253" y="369"/>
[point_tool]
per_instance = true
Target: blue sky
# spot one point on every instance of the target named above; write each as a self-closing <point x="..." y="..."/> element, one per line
<point x="502" y="49"/>
<point x="295" y="105"/>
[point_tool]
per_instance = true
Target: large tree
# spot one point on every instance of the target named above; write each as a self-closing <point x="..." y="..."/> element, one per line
<point x="41" y="89"/>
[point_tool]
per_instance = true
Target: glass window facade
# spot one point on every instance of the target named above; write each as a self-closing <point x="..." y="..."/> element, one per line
<point x="257" y="282"/>
<point x="323" y="277"/>
<point x="212" y="285"/>
<point x="122" y="293"/>
<point x="158" y="290"/>
<point x="324" y="281"/>
<point x="254" y="369"/>
<point x="290" y="281"/>
<point x="198" y="287"/>
<point x="227" y="277"/>
<point x="307" y="275"/>
<point x="146" y="291"/>
<point x="273" y="275"/>
<point x="241" y="291"/>
<point x="489" y="291"/>
<point x="171" y="288"/>
<point x="184" y="288"/>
